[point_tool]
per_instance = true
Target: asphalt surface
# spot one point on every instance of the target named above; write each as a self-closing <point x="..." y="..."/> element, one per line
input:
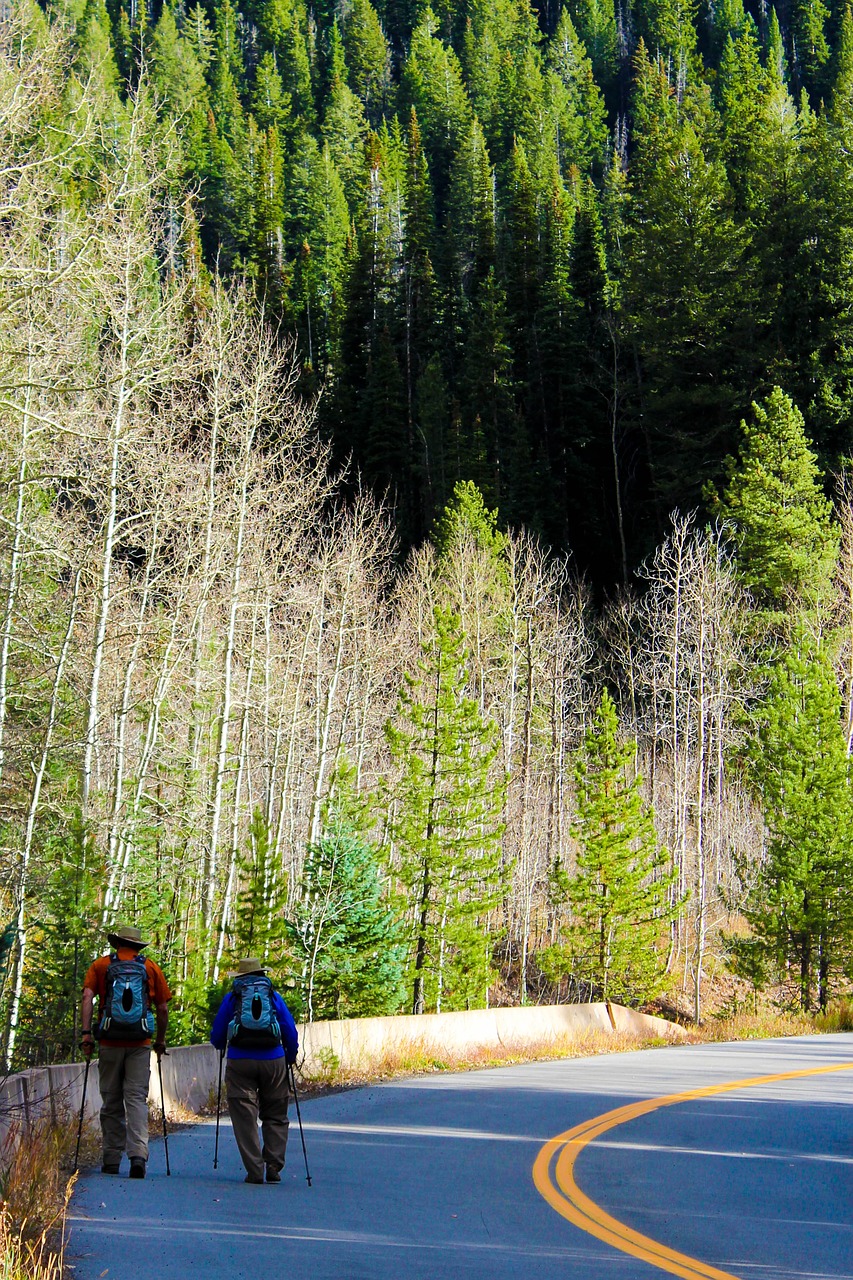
<point x="431" y="1178"/>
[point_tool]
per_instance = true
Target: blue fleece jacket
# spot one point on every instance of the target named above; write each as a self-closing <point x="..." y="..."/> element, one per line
<point x="289" y="1034"/>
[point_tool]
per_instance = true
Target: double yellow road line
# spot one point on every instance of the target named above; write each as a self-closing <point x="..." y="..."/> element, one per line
<point x="553" y="1174"/>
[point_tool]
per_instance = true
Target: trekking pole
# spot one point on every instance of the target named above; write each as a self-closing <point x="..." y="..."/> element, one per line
<point x="299" y="1118"/>
<point x="218" y="1105"/>
<point x="82" y="1109"/>
<point x="163" y="1108"/>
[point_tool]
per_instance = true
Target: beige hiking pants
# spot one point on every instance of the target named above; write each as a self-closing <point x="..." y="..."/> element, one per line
<point x="123" y="1077"/>
<point x="257" y="1089"/>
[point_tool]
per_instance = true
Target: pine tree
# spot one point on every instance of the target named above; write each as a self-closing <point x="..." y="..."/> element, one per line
<point x="295" y="67"/>
<point x="68" y="937"/>
<point x="344" y="123"/>
<point x="466" y="517"/>
<point x="740" y="89"/>
<point x="176" y="72"/>
<point x="587" y="447"/>
<point x="621" y="895"/>
<point x="471" y="211"/>
<point x="669" y="29"/>
<point x="808" y="24"/>
<point x="686" y="298"/>
<point x="260" y="928"/>
<point x="432" y="84"/>
<point x="271" y="104"/>
<point x="320" y="225"/>
<point x="801" y="911"/>
<point x="94" y="51"/>
<point x="346" y="932"/>
<point x="227" y="75"/>
<point x="575" y="100"/>
<point x="774" y="501"/>
<point x="268" y="210"/>
<point x="367" y="57"/>
<point x="596" y="27"/>
<point x="494" y="430"/>
<point x="446" y="823"/>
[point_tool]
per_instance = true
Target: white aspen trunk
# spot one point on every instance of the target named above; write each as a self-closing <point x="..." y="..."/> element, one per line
<point x="286" y="808"/>
<point x="235" y="810"/>
<point x="324" y="721"/>
<point x="29" y="830"/>
<point x="442" y="951"/>
<point x="104" y="601"/>
<point x="120" y="747"/>
<point x="115" y="891"/>
<point x="701" y="888"/>
<point x="224" y="725"/>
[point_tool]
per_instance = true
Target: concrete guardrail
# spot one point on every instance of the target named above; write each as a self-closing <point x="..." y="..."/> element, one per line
<point x="190" y="1073"/>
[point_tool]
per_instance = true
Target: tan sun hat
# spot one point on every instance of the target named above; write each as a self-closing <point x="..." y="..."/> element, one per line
<point x="124" y="933"/>
<point x="251" y="964"/>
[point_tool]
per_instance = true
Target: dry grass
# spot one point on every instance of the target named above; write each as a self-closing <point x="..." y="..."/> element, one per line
<point x="35" y="1193"/>
<point x="763" y="1025"/>
<point x="838" y="1017"/>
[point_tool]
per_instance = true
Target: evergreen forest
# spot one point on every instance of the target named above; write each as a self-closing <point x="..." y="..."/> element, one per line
<point x="427" y="536"/>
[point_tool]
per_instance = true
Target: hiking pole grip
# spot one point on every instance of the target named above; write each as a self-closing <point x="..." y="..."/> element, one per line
<point x="299" y="1118"/>
<point x="82" y="1109"/>
<point x="218" y="1106"/>
<point x="163" y="1109"/>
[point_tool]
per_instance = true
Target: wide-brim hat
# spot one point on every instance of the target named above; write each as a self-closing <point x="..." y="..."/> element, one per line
<point x="251" y="964"/>
<point x="124" y="933"/>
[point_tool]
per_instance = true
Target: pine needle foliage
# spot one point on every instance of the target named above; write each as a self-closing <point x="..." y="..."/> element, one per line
<point x="346" y="931"/>
<point x="621" y="896"/>
<point x="787" y="538"/>
<point x="446" y="823"/>
<point x="801" y="909"/>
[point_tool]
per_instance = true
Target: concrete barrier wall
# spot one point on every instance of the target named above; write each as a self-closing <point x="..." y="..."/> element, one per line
<point x="358" y="1042"/>
<point x="190" y="1074"/>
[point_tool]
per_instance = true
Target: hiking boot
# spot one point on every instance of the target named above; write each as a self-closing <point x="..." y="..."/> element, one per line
<point x="273" y="1175"/>
<point x="137" y="1167"/>
<point x="109" y="1167"/>
<point x="253" y="1177"/>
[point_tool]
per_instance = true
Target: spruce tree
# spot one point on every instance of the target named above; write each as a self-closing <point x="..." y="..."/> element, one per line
<point x="581" y="116"/>
<point x="621" y="895"/>
<point x="367" y="57"/>
<point x="432" y="84"/>
<point x="774" y="501"/>
<point x="594" y="21"/>
<point x="344" y="123"/>
<point x="686" y="299"/>
<point x="446" y="806"/>
<point x="801" y="910"/>
<point x="320" y="226"/>
<point x="260" y="927"/>
<point x="345" y="931"/>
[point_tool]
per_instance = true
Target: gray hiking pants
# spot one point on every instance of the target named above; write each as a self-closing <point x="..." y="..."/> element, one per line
<point x="123" y="1078"/>
<point x="257" y="1089"/>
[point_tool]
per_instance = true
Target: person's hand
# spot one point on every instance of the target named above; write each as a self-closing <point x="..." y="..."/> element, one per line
<point x="160" y="1047"/>
<point x="88" y="1044"/>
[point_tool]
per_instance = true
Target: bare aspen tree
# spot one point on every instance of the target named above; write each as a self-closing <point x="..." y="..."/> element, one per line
<point x="140" y="338"/>
<point x="23" y="870"/>
<point x="683" y="665"/>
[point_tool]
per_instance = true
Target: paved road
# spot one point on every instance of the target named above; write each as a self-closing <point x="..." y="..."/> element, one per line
<point x="431" y="1179"/>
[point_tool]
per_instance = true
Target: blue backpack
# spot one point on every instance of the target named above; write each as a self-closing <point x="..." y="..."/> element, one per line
<point x="255" y="1022"/>
<point x="127" y="1007"/>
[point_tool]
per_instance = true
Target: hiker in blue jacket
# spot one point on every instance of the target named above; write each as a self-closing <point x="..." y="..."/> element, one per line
<point x="257" y="1028"/>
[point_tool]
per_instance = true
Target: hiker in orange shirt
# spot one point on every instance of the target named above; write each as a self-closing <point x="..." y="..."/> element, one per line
<point x="128" y="986"/>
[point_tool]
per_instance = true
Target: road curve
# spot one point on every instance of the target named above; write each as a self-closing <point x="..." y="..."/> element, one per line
<point x="481" y="1175"/>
